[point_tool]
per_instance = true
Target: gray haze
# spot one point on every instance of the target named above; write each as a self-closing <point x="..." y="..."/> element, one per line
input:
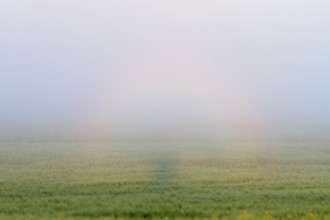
<point x="147" y="68"/>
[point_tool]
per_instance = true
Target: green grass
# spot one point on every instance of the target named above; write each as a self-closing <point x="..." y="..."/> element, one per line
<point x="164" y="181"/>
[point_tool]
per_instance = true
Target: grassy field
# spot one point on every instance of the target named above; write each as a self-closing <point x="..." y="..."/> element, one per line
<point x="164" y="181"/>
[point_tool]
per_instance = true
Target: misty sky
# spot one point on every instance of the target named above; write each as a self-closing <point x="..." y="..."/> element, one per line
<point x="148" y="67"/>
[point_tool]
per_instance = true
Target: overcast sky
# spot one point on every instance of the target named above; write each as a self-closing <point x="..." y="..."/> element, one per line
<point x="245" y="68"/>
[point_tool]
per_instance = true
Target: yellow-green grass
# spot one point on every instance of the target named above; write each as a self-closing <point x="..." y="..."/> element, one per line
<point x="164" y="181"/>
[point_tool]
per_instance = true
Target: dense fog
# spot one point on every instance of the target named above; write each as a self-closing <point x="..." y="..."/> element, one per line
<point x="164" y="70"/>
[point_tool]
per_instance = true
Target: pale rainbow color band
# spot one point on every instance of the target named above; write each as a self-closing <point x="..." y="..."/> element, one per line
<point x="179" y="78"/>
